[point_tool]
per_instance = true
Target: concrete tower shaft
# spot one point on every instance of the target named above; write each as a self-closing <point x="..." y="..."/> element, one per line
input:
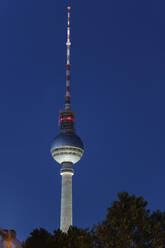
<point x="66" y="197"/>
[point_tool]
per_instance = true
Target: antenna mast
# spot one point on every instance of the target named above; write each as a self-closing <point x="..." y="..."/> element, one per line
<point x="68" y="45"/>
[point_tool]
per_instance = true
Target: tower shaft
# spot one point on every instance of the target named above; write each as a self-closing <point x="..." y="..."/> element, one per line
<point x="66" y="197"/>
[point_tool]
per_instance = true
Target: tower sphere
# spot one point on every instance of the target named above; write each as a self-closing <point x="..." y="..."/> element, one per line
<point x="67" y="147"/>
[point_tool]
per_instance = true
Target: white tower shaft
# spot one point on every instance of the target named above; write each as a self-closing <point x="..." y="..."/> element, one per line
<point x="66" y="197"/>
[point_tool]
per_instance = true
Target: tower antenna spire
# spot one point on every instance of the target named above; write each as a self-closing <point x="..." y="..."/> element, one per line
<point x="68" y="46"/>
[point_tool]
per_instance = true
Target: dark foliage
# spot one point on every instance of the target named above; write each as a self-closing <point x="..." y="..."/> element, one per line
<point x="39" y="238"/>
<point x="75" y="238"/>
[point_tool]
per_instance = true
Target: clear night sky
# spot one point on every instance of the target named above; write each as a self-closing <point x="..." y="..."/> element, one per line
<point x="118" y="93"/>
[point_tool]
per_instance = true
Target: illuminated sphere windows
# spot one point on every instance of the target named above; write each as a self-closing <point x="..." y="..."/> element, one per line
<point x="67" y="147"/>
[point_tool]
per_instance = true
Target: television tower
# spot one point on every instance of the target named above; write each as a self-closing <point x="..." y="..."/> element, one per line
<point x="67" y="148"/>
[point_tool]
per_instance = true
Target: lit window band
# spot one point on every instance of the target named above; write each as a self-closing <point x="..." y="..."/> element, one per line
<point x="66" y="119"/>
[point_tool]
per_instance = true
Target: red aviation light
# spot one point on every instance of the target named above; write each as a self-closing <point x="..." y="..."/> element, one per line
<point x="66" y="119"/>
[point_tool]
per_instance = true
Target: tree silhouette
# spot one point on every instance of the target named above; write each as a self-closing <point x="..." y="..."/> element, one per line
<point x="157" y="229"/>
<point x="129" y="224"/>
<point x="75" y="238"/>
<point x="39" y="238"/>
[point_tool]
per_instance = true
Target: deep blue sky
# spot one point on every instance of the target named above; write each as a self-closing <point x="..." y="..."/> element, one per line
<point x="118" y="93"/>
